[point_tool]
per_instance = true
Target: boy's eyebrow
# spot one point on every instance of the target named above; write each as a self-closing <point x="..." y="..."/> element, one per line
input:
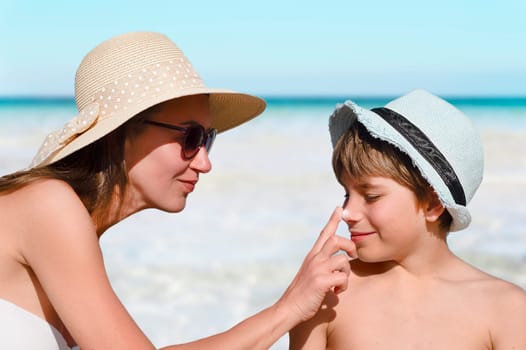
<point x="368" y="185"/>
<point x="362" y="183"/>
<point x="363" y="187"/>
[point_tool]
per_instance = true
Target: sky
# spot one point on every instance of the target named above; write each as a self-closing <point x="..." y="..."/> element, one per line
<point x="274" y="48"/>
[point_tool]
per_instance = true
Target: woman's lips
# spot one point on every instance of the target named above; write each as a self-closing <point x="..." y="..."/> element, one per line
<point x="188" y="185"/>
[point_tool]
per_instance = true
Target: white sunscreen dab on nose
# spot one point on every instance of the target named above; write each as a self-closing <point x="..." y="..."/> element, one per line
<point x="345" y="214"/>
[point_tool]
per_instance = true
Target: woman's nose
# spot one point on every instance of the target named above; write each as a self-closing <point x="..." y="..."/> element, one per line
<point x="201" y="161"/>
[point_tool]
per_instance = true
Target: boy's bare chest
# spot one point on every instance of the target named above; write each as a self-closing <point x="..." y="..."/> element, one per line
<point x="409" y="322"/>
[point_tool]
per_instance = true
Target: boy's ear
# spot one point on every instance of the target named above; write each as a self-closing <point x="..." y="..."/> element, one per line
<point x="434" y="208"/>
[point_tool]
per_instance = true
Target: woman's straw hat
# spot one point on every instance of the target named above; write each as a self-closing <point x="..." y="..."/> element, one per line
<point x="441" y="141"/>
<point x="127" y="74"/>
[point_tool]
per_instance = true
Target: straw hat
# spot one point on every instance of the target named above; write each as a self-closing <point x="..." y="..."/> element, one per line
<point x="128" y="74"/>
<point x="442" y="142"/>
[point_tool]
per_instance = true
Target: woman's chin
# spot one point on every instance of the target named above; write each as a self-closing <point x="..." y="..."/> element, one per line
<point x="173" y="207"/>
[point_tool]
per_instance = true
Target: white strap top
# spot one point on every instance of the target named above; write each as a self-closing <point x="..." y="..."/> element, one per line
<point x="22" y="330"/>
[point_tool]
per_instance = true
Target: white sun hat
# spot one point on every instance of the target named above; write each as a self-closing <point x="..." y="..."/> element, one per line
<point x="126" y="75"/>
<point x="441" y="141"/>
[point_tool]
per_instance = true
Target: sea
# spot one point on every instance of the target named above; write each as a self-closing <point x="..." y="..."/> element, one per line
<point x="246" y="228"/>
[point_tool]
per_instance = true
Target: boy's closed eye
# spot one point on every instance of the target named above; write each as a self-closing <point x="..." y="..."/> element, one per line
<point x="371" y="197"/>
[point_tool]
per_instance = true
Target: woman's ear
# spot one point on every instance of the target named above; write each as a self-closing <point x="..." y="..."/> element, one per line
<point x="433" y="208"/>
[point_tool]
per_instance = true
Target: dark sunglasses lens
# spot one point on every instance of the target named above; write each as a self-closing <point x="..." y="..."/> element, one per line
<point x="210" y="137"/>
<point x="194" y="140"/>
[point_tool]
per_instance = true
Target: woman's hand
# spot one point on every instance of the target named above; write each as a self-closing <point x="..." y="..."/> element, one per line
<point x="322" y="271"/>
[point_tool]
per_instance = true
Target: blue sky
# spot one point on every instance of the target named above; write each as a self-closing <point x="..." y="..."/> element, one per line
<point x="450" y="47"/>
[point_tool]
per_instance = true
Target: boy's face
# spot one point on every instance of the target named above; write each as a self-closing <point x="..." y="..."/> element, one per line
<point x="385" y="220"/>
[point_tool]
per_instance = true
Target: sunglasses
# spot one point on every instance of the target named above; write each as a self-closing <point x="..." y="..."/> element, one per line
<point x="195" y="137"/>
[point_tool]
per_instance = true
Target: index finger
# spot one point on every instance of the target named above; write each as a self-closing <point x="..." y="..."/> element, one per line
<point x="328" y="230"/>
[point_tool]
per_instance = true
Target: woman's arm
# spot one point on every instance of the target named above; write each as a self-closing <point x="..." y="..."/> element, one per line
<point x="60" y="244"/>
<point x="311" y="334"/>
<point x="62" y="249"/>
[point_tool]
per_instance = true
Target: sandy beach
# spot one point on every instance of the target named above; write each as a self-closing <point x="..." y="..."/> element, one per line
<point x="249" y="223"/>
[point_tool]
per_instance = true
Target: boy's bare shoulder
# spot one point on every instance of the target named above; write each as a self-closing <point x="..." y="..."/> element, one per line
<point x="498" y="300"/>
<point x="492" y="286"/>
<point x="506" y="313"/>
<point x="505" y="294"/>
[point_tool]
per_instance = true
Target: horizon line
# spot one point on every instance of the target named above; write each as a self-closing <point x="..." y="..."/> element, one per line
<point x="281" y="97"/>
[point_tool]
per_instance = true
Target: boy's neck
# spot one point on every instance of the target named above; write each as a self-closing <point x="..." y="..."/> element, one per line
<point x="440" y="264"/>
<point x="430" y="255"/>
<point x="431" y="258"/>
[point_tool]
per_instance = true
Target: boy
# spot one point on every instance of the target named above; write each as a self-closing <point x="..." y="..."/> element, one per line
<point x="408" y="170"/>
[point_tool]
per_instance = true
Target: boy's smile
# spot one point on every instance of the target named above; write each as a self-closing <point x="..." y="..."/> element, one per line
<point x="358" y="236"/>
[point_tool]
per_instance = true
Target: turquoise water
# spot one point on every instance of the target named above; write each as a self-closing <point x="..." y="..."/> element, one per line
<point x="249" y="223"/>
<point x="512" y="105"/>
<point x="31" y="118"/>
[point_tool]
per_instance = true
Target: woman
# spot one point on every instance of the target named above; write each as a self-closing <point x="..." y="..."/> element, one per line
<point x="145" y="126"/>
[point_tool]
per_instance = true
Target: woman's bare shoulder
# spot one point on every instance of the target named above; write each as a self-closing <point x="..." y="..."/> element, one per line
<point x="25" y="206"/>
<point x="42" y="210"/>
<point x="45" y="189"/>
<point x="46" y="197"/>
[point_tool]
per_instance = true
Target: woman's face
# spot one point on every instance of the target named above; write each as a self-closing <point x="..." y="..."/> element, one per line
<point x="158" y="175"/>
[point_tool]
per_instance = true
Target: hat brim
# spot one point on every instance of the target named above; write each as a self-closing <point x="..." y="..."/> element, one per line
<point x="228" y="109"/>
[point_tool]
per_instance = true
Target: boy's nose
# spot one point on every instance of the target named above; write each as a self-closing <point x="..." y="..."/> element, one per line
<point x="352" y="211"/>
